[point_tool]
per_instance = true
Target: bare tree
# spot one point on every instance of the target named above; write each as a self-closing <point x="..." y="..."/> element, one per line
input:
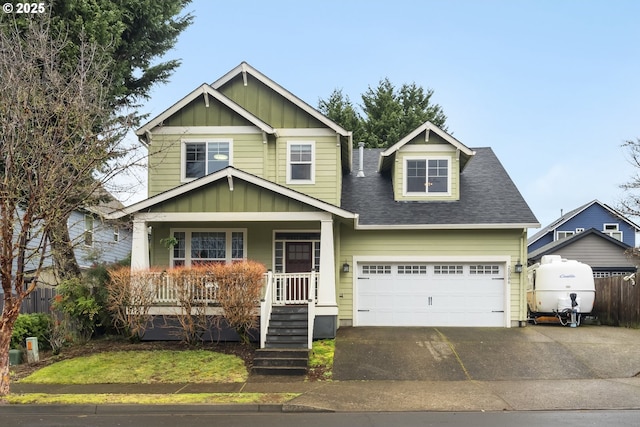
<point x="59" y="144"/>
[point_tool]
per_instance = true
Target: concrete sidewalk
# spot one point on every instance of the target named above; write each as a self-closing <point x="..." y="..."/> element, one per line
<point x="390" y="396"/>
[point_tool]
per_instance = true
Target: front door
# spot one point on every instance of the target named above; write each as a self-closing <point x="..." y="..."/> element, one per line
<point x="298" y="259"/>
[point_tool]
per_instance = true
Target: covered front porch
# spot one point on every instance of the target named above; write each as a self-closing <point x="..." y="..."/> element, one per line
<point x="298" y="250"/>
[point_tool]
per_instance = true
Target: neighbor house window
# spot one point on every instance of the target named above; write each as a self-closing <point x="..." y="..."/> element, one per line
<point x="613" y="230"/>
<point x="427" y="176"/>
<point x="565" y="234"/>
<point x="205" y="157"/>
<point x="116" y="234"/>
<point x="88" y="230"/>
<point x="300" y="162"/>
<point x="195" y="247"/>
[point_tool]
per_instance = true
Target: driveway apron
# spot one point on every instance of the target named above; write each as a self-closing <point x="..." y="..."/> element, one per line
<point x="539" y="352"/>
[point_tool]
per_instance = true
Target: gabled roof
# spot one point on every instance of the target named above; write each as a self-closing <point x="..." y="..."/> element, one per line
<point x="425" y="127"/>
<point x="571" y="214"/>
<point x="559" y="244"/>
<point x="488" y="199"/>
<point x="206" y="91"/>
<point x="244" y="68"/>
<point x="229" y="173"/>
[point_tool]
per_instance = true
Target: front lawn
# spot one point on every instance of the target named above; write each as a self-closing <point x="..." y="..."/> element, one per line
<point x="144" y="367"/>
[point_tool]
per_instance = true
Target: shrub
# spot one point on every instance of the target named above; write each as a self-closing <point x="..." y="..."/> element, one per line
<point x="78" y="305"/>
<point x="240" y="288"/>
<point x="130" y="296"/>
<point x="31" y="325"/>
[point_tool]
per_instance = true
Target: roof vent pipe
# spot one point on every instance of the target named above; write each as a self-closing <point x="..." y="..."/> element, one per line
<point x="361" y="159"/>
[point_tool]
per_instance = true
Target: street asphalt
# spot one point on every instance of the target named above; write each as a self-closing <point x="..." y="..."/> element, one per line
<point x="538" y="367"/>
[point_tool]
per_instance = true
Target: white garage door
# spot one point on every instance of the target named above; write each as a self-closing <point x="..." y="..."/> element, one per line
<point x="430" y="294"/>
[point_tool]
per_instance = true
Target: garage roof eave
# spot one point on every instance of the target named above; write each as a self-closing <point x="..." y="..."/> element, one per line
<point x="446" y="226"/>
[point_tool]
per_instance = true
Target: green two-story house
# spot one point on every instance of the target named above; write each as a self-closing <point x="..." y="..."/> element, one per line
<point x="428" y="232"/>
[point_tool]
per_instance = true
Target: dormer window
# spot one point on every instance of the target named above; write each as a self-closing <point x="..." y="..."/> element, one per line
<point x="426" y="176"/>
<point x="205" y="157"/>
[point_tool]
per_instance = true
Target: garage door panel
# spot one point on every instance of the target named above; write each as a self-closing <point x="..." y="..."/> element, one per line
<point x="454" y="294"/>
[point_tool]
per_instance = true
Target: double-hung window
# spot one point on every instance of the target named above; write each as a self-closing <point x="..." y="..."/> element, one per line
<point x="205" y="157"/>
<point x="300" y="162"/>
<point x="194" y="247"/>
<point x="427" y="176"/>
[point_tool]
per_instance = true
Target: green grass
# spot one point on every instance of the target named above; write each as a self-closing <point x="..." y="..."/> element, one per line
<point x="321" y="357"/>
<point x="144" y="367"/>
<point x="150" y="399"/>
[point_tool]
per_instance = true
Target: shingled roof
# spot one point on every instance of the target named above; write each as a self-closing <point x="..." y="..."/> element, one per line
<point x="488" y="197"/>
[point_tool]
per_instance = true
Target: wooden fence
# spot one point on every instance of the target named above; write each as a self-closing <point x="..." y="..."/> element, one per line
<point x="38" y="301"/>
<point x="617" y="302"/>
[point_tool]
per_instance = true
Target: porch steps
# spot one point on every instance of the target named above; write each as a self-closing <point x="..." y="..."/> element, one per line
<point x="285" y="351"/>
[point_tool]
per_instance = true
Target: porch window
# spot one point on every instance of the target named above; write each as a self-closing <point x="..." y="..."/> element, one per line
<point x="427" y="176"/>
<point x="300" y="162"/>
<point x="205" y="157"/>
<point x="195" y="247"/>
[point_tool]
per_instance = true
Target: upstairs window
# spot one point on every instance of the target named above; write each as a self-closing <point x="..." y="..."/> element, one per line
<point x="204" y="158"/>
<point x="427" y="176"/>
<point x="300" y="163"/>
<point x="612" y="230"/>
<point x="565" y="234"/>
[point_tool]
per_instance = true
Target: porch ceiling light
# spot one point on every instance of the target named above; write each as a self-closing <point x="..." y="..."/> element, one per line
<point x="220" y="156"/>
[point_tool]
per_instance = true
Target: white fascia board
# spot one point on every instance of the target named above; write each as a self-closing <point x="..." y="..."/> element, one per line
<point x="502" y="226"/>
<point x="245" y="67"/>
<point x="431" y="127"/>
<point x="224" y="174"/>
<point x="204" y="89"/>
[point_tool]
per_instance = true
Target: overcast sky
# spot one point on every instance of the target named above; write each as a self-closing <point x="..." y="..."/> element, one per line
<point x="551" y="85"/>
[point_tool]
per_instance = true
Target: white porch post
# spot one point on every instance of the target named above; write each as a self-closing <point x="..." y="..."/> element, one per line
<point x="140" y="246"/>
<point x="327" y="284"/>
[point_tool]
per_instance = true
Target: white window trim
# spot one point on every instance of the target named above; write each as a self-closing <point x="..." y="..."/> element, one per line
<point x="228" y="242"/>
<point x="183" y="153"/>
<point x="566" y="233"/>
<point x="426" y="194"/>
<point x="613" y="231"/>
<point x="289" y="180"/>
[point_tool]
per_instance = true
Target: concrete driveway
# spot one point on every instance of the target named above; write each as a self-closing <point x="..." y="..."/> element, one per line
<point x="535" y="352"/>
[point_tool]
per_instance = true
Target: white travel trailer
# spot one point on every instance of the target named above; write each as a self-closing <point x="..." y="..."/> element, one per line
<point x="561" y="288"/>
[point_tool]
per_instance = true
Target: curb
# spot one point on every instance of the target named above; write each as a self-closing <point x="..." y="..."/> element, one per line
<point x="138" y="409"/>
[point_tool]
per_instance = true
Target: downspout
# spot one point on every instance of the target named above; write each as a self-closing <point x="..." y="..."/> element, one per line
<point x="523" y="277"/>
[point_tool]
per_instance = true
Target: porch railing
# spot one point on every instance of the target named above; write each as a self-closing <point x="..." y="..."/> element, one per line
<point x="203" y="290"/>
<point x="266" y="303"/>
<point x="279" y="289"/>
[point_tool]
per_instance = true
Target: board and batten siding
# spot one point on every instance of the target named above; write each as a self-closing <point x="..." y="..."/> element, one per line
<point x="430" y="243"/>
<point x="269" y="106"/>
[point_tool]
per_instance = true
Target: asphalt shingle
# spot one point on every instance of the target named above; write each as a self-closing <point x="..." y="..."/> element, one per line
<point x="487" y="196"/>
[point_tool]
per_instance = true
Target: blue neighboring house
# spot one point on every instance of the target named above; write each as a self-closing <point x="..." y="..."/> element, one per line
<point x="595" y="234"/>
